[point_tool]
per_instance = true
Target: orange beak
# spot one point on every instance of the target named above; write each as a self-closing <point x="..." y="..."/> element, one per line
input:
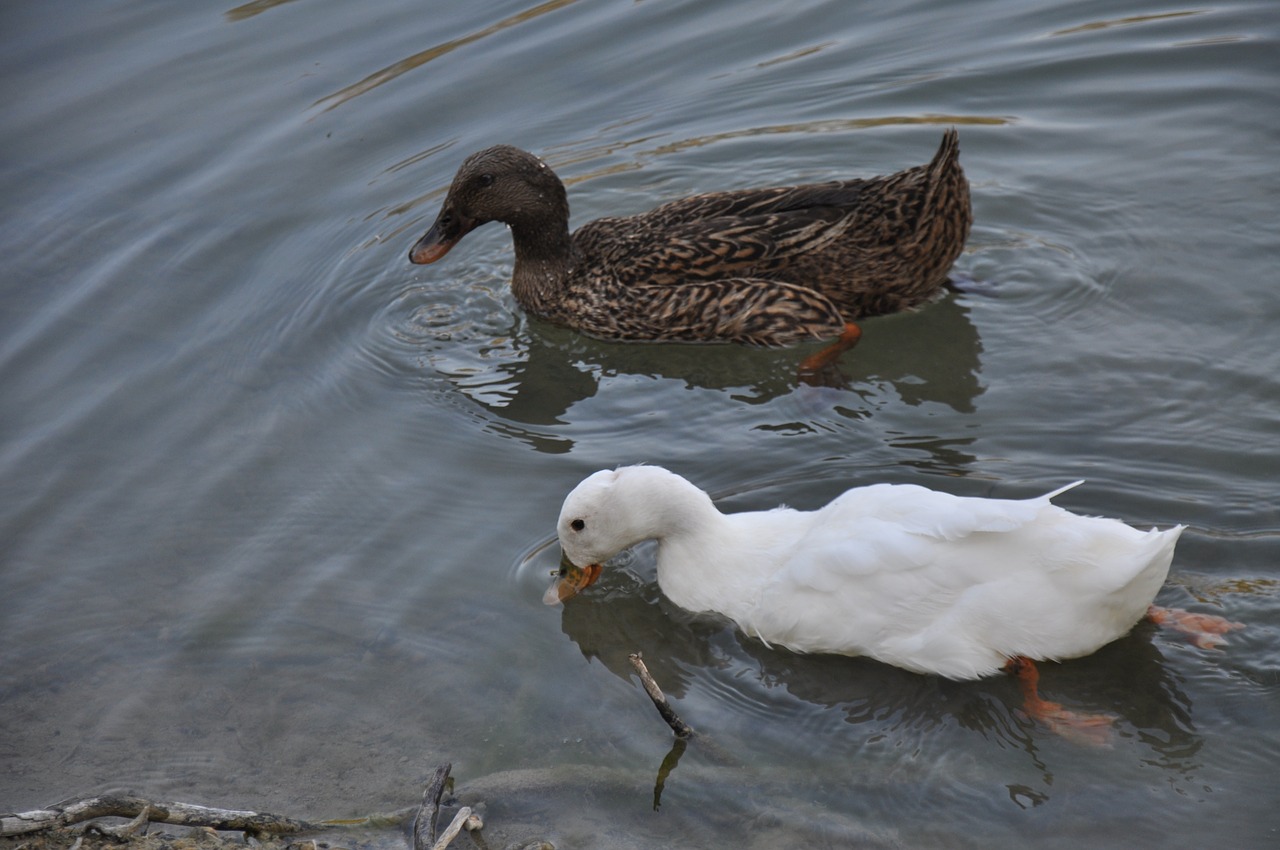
<point x="449" y="227"/>
<point x="570" y="582"/>
<point x="427" y="251"/>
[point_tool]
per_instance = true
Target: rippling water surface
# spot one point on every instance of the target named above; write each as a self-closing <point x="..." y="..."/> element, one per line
<point x="276" y="503"/>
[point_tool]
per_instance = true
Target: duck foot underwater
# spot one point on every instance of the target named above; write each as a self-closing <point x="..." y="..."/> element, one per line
<point x="1082" y="727"/>
<point x="820" y="369"/>
<point x="1205" y="630"/>
<point x="1095" y="728"/>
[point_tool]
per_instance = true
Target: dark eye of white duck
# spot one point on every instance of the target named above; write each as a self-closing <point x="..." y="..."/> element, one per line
<point x="577" y="525"/>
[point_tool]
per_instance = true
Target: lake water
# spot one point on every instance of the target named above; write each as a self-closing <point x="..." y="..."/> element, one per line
<point x="277" y="504"/>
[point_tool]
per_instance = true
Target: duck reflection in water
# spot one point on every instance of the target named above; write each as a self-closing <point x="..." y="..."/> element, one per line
<point x="528" y="382"/>
<point x="808" y="698"/>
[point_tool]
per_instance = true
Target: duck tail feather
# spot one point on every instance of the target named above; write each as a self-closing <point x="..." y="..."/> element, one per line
<point x="946" y="192"/>
<point x="948" y="151"/>
<point x="1061" y="490"/>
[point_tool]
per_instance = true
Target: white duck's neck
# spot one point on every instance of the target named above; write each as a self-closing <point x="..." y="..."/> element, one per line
<point x="700" y="550"/>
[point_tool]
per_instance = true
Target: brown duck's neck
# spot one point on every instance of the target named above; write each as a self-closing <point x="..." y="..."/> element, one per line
<point x="544" y="257"/>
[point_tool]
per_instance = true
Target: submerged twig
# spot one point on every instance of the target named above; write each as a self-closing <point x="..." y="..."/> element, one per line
<point x="682" y="729"/>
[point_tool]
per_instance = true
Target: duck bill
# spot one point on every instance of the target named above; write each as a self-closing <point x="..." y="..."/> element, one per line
<point x="447" y="231"/>
<point x="571" y="581"/>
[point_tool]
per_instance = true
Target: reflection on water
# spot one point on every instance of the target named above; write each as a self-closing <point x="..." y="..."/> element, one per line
<point x="1124" y="22"/>
<point x="256" y="7"/>
<point x="527" y="379"/>
<point x="409" y="63"/>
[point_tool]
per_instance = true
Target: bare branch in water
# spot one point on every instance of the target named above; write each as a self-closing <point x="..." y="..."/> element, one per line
<point x="682" y="729"/>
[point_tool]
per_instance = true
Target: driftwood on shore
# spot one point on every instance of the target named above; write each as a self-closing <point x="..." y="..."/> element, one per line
<point x="148" y="811"/>
<point x="257" y="824"/>
<point x="424" y="823"/>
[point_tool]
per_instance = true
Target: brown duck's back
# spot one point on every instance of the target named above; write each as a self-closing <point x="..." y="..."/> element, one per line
<point x="904" y="235"/>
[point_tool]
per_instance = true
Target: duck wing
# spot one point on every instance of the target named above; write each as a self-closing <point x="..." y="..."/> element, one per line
<point x="955" y="586"/>
<point x="710" y="279"/>
<point x="894" y="528"/>
<point x="662" y="250"/>
<point x="743" y="203"/>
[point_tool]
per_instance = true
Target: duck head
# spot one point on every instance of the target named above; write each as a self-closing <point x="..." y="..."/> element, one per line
<point x="501" y="183"/>
<point x="614" y="509"/>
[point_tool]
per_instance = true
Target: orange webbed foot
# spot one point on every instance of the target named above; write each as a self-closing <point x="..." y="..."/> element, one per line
<point x="814" y="368"/>
<point x="1205" y="630"/>
<point x="1089" y="728"/>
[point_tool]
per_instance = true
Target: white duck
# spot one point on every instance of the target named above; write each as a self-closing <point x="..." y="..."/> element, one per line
<point x="931" y="582"/>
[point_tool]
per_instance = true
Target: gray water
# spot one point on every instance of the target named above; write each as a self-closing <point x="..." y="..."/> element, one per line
<point x="277" y="505"/>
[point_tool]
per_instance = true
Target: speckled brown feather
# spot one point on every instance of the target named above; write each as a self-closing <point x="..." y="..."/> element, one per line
<point x="759" y="266"/>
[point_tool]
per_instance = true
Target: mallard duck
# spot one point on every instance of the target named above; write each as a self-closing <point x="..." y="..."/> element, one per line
<point x="759" y="266"/>
<point x="955" y="586"/>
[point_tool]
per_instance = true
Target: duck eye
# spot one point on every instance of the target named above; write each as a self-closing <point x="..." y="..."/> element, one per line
<point x="577" y="525"/>
<point x="486" y="180"/>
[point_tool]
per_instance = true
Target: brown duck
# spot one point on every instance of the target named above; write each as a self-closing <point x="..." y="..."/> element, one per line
<point x="759" y="266"/>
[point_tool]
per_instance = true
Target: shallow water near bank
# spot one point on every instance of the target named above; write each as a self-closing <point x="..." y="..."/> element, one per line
<point x="276" y="503"/>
